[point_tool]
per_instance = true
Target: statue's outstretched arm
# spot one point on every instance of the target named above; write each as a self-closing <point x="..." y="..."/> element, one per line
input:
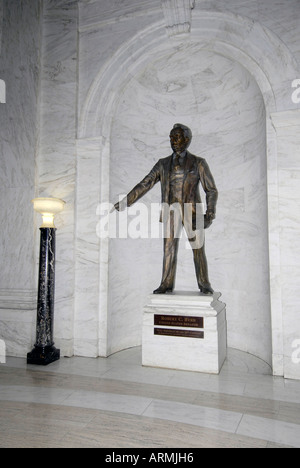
<point x="141" y="189"/>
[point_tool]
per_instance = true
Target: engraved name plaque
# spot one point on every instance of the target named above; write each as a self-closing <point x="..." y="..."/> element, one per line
<point x="180" y="333"/>
<point x="178" y="321"/>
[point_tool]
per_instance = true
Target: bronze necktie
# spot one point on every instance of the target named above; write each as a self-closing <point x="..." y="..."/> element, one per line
<point x="177" y="162"/>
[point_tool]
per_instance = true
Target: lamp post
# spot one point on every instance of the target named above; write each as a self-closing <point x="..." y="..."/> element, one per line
<point x="44" y="351"/>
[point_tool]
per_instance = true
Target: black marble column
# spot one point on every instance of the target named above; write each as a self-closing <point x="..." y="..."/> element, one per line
<point x="44" y="351"/>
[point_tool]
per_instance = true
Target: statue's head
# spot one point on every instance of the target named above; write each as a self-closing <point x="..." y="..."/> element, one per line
<point x="180" y="137"/>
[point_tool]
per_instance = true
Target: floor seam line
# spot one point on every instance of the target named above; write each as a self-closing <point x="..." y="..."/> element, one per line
<point x="148" y="406"/>
<point x="237" y="428"/>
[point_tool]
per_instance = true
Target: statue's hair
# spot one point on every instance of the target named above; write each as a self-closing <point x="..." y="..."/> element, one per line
<point x="187" y="131"/>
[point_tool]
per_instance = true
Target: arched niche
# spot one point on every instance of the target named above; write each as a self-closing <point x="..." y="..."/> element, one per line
<point x="238" y="39"/>
<point x="221" y="102"/>
<point x="262" y="53"/>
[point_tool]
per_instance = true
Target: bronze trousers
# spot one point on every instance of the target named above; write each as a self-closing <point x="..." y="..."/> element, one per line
<point x="171" y="244"/>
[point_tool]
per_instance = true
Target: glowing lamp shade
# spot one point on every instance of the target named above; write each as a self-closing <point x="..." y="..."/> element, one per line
<point x="48" y="208"/>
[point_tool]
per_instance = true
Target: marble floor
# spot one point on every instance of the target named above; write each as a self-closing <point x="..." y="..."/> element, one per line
<point x="117" y="403"/>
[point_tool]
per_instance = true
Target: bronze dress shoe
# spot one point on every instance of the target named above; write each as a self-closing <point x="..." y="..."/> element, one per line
<point x="163" y="290"/>
<point x="206" y="290"/>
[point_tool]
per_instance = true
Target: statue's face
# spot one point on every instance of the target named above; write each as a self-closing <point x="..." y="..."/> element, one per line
<point x="179" y="142"/>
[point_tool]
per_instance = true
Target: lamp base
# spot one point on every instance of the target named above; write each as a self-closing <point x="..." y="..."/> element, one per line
<point x="43" y="356"/>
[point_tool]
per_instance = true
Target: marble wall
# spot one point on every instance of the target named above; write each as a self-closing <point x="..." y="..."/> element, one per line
<point x="121" y="93"/>
<point x="286" y="266"/>
<point x="20" y="52"/>
<point x="56" y="161"/>
<point x="105" y="71"/>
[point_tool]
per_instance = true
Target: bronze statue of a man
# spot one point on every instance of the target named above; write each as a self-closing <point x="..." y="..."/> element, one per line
<point x="180" y="175"/>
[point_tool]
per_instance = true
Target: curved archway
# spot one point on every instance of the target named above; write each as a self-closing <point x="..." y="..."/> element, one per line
<point x="236" y="38"/>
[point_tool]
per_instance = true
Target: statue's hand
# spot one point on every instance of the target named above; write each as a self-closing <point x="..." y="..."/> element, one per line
<point x="207" y="222"/>
<point x="116" y="207"/>
<point x="120" y="206"/>
<point x="208" y="219"/>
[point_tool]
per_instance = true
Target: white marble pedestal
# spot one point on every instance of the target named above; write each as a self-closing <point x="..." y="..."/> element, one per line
<point x="185" y="331"/>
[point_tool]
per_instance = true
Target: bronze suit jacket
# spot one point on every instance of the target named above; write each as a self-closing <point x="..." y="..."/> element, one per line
<point x="196" y="171"/>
